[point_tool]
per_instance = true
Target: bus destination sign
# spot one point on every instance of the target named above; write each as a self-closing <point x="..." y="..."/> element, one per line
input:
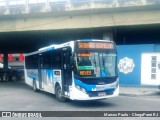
<point x="95" y="45"/>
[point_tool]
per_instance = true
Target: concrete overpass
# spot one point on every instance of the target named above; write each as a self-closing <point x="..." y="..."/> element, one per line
<point x="31" y="15"/>
<point x="26" y="25"/>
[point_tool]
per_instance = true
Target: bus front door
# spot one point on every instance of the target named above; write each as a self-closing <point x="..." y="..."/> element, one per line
<point x="67" y="72"/>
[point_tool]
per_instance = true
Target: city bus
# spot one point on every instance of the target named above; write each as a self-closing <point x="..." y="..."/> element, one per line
<point x="76" y="70"/>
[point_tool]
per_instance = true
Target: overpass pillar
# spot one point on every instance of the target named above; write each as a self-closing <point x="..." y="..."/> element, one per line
<point x="5" y="61"/>
<point x="108" y="36"/>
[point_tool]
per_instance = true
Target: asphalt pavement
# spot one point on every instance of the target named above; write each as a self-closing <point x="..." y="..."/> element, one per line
<point x="139" y="90"/>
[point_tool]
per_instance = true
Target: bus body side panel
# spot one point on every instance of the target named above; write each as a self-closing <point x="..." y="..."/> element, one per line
<point x="47" y="80"/>
<point x="28" y="80"/>
<point x="30" y="75"/>
<point x="50" y="78"/>
<point x="57" y="78"/>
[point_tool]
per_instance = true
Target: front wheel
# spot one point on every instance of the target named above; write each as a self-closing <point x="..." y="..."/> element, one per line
<point x="59" y="95"/>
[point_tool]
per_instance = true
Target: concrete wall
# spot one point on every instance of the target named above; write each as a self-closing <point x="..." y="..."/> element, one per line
<point x="137" y="65"/>
<point x="79" y="19"/>
<point x="30" y="15"/>
<point x="8" y="7"/>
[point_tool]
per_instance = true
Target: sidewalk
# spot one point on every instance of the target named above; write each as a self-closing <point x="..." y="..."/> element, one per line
<point x="138" y="90"/>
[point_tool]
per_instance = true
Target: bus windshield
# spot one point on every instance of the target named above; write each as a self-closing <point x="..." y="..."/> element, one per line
<point x="95" y="64"/>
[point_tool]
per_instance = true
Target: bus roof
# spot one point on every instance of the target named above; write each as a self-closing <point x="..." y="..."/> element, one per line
<point x="56" y="46"/>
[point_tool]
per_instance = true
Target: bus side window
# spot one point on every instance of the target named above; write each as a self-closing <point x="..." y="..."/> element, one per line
<point x="56" y="61"/>
<point x="31" y="62"/>
<point x="47" y="60"/>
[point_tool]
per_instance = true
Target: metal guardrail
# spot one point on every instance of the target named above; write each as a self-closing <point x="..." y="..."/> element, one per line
<point x="27" y="6"/>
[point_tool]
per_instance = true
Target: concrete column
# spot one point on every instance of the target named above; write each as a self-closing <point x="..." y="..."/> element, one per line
<point x="108" y="36"/>
<point x="5" y="61"/>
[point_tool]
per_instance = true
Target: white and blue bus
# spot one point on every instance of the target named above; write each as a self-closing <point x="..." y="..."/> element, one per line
<point x="77" y="70"/>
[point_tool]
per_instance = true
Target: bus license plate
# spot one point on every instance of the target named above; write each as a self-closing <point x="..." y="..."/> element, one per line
<point x="101" y="94"/>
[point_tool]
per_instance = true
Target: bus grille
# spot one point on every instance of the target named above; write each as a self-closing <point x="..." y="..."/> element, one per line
<point x="98" y="93"/>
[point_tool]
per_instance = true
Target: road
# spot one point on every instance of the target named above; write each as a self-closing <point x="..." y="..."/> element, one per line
<point x="20" y="97"/>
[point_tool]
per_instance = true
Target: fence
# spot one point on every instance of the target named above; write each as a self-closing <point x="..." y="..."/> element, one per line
<point x="26" y="6"/>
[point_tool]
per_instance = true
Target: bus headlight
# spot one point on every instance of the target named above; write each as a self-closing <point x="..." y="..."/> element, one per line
<point x="80" y="88"/>
<point x="116" y="85"/>
<point x="83" y="90"/>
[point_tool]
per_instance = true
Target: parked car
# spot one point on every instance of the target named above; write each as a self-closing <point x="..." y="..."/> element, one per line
<point x="11" y="74"/>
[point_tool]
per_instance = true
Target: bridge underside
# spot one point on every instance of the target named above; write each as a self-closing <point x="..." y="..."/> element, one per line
<point x="27" y="33"/>
<point x="80" y="19"/>
<point x="15" y="42"/>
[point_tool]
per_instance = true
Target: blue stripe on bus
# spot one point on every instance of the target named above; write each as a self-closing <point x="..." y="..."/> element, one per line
<point x="47" y="75"/>
<point x="112" y="88"/>
<point x="87" y="87"/>
<point x="33" y="77"/>
<point x="90" y="87"/>
<point x="86" y="40"/>
<point x="49" y="49"/>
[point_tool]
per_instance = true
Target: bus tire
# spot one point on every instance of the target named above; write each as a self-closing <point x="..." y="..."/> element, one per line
<point x="35" y="86"/>
<point x="58" y="92"/>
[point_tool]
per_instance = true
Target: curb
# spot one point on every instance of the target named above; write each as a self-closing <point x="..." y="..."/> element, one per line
<point x="140" y="94"/>
<point x="130" y="95"/>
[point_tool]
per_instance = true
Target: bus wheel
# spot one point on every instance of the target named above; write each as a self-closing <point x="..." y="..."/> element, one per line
<point x="35" y="86"/>
<point x="59" y="94"/>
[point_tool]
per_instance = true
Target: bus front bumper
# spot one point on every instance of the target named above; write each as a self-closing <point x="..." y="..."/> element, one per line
<point x="76" y="94"/>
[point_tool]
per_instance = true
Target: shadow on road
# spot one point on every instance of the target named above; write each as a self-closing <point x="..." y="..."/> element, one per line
<point x="91" y="103"/>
